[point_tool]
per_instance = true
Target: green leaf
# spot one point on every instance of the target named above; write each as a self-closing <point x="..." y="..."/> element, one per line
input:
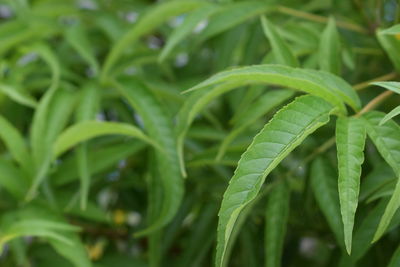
<point x="159" y="127"/>
<point x="15" y="144"/>
<point x="391" y="45"/>
<point x="232" y="15"/>
<point x="87" y="109"/>
<point x="392" y="86"/>
<point x="390" y="115"/>
<point x="385" y="137"/>
<point x="324" y="185"/>
<point x="18" y="95"/>
<point x="276" y="219"/>
<point x="280" y="49"/>
<point x="350" y="142"/>
<point x="329" y="51"/>
<point x="322" y="84"/>
<point x="395" y="260"/>
<point x="151" y="20"/>
<point x="89" y="129"/>
<point x="392" y="30"/>
<point x="183" y="30"/>
<point x="76" y="36"/>
<point x="75" y="252"/>
<point x="12" y="180"/>
<point x="288" y="128"/>
<point x="259" y="108"/>
<point x="391" y="208"/>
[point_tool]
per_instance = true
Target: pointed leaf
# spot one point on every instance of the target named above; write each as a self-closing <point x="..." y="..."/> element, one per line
<point x="392" y="86"/>
<point x="288" y="128"/>
<point x="390" y="115"/>
<point x="280" y="49"/>
<point x="329" y="51"/>
<point x="350" y="141"/>
<point x="18" y="95"/>
<point x="395" y="260"/>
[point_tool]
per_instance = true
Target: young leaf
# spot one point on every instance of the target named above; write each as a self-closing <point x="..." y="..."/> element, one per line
<point x="391" y="44"/>
<point x="188" y="25"/>
<point x="330" y="49"/>
<point x="151" y="20"/>
<point x="288" y="128"/>
<point x="390" y="115"/>
<point x="350" y="141"/>
<point x="159" y="127"/>
<point x="324" y="185"/>
<point x="280" y="49"/>
<point x="276" y="218"/>
<point x="89" y="129"/>
<point x="322" y="84"/>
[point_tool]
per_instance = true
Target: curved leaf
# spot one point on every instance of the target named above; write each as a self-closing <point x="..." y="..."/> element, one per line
<point x="329" y="51"/>
<point x="322" y="84"/>
<point x="280" y="49"/>
<point x="288" y="128"/>
<point x="390" y="115"/>
<point x="159" y="127"/>
<point x="188" y="25"/>
<point x="276" y="218"/>
<point x="18" y="95"/>
<point x="151" y="20"/>
<point x="89" y="129"/>
<point x="392" y="86"/>
<point x="350" y="141"/>
<point x="395" y="260"/>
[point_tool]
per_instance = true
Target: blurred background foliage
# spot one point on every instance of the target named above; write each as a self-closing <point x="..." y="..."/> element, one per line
<point x="61" y="64"/>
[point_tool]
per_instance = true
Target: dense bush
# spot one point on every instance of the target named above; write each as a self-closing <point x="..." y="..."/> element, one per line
<point x="123" y="122"/>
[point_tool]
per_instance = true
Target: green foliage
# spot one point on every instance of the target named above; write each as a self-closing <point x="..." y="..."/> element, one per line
<point x="199" y="133"/>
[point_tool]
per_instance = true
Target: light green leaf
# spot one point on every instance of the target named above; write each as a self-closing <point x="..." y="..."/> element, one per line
<point x="385" y="137"/>
<point x="329" y="51"/>
<point x="89" y="129"/>
<point x="151" y="20"/>
<point x="15" y="144"/>
<point x="76" y="36"/>
<point x="324" y="185"/>
<point x="87" y="109"/>
<point x="390" y="115"/>
<point x="159" y="127"/>
<point x="288" y="128"/>
<point x="350" y="142"/>
<point x="259" y="108"/>
<point x="12" y="180"/>
<point x="183" y="30"/>
<point x="391" y="45"/>
<point x="322" y="84"/>
<point x="392" y="30"/>
<point x="395" y="260"/>
<point x="392" y="86"/>
<point x="75" y="252"/>
<point x="18" y="95"/>
<point x="280" y="49"/>
<point x="391" y="208"/>
<point x="232" y="15"/>
<point x="276" y="219"/>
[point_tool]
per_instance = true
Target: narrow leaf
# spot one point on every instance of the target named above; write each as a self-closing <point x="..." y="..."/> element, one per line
<point x="350" y="140"/>
<point x="89" y="129"/>
<point x="276" y="218"/>
<point x="18" y="95"/>
<point x="329" y="51"/>
<point x="395" y="260"/>
<point x="392" y="86"/>
<point x="289" y="127"/>
<point x="390" y="115"/>
<point x="280" y="49"/>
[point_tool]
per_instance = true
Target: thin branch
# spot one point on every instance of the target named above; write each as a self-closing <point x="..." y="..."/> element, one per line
<point x="374" y="102"/>
<point x="320" y="19"/>
<point x="386" y="77"/>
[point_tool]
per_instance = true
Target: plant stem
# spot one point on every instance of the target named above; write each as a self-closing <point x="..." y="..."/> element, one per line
<point x="366" y="84"/>
<point x="374" y="102"/>
<point x="312" y="17"/>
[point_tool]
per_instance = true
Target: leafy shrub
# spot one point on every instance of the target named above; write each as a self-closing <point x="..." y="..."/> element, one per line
<point x="137" y="133"/>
